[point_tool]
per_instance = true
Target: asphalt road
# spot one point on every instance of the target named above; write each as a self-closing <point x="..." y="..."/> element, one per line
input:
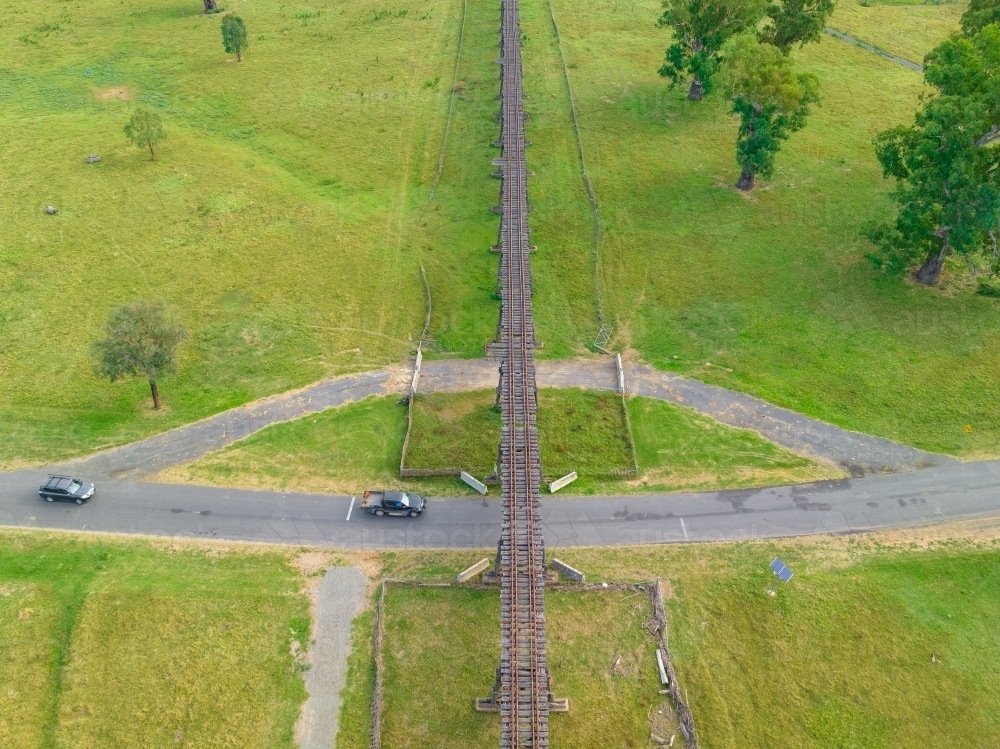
<point x="948" y="492"/>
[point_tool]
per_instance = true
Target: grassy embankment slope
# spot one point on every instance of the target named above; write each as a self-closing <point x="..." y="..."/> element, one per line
<point x="127" y="643"/>
<point x="774" y="285"/>
<point x="845" y="649"/>
<point x="358" y="446"/>
<point x="277" y="219"/>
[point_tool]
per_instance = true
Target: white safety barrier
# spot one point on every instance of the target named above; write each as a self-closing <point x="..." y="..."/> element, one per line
<point x="475" y="483"/>
<point x="558" y="484"/>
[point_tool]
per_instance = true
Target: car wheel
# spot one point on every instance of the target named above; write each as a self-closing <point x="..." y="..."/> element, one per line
<point x="49" y="499"/>
<point x="413" y="513"/>
<point x="79" y="501"/>
<point x="379" y="513"/>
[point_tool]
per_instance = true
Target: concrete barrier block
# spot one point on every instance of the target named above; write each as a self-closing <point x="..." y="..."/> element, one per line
<point x="481" y="566"/>
<point x="475" y="483"/>
<point x="564" y="569"/>
<point x="558" y="484"/>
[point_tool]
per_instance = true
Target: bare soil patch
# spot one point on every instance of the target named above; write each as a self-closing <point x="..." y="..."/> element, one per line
<point x="112" y="93"/>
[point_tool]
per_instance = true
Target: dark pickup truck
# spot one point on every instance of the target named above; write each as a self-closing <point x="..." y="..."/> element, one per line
<point x="393" y="503"/>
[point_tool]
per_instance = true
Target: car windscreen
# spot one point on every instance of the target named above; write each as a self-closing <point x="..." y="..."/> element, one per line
<point x="404" y="500"/>
<point x="74" y="485"/>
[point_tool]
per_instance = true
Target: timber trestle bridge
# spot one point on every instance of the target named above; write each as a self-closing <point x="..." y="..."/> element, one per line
<point x="522" y="692"/>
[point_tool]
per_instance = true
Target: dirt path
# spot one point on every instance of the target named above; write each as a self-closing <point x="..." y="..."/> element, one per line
<point x="190" y="442"/>
<point x="856" y="453"/>
<point x="340" y="598"/>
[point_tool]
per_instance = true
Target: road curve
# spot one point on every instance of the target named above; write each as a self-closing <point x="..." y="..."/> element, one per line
<point x="949" y="492"/>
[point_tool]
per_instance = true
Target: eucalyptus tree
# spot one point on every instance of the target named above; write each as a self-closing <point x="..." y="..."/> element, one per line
<point x="234" y="36"/>
<point x="771" y="99"/>
<point x="946" y="165"/>
<point x="140" y="340"/>
<point x="979" y="15"/>
<point x="700" y="29"/>
<point x="791" y="22"/>
<point x="145" y="130"/>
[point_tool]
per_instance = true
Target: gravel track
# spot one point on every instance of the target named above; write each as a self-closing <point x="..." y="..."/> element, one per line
<point x="340" y="597"/>
<point x="856" y="453"/>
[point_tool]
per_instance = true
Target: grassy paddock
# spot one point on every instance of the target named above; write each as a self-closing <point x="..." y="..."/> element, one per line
<point x="442" y="650"/>
<point x="132" y="643"/>
<point x="280" y="219"/>
<point x="349" y="448"/>
<point x="907" y="29"/>
<point x="773" y="285"/>
<point x="846" y="648"/>
<point x="679" y="449"/>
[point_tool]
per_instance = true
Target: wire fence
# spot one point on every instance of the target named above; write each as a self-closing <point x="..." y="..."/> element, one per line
<point x="377" y="698"/>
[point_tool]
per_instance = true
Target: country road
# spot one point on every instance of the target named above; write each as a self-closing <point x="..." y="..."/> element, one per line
<point x="949" y="492"/>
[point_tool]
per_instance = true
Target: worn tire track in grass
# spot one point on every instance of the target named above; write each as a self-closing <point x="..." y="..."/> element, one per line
<point x="873" y="49"/>
<point x="67" y="624"/>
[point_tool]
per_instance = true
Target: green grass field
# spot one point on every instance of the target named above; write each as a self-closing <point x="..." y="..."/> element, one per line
<point x="845" y="649"/>
<point x="773" y="285"/>
<point x="441" y="652"/>
<point x="288" y="211"/>
<point x="277" y="221"/>
<point x="358" y="446"/>
<point x="909" y="30"/>
<point x="128" y="643"/>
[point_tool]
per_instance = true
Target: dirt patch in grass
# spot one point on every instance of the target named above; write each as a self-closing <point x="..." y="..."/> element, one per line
<point x="112" y="93"/>
<point x="313" y="563"/>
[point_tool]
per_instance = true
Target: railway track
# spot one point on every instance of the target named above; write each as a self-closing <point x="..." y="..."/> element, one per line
<point x="524" y="695"/>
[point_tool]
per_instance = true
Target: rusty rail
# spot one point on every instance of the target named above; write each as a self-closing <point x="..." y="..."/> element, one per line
<point x="524" y="693"/>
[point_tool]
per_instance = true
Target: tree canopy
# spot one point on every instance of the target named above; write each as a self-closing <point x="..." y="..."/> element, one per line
<point x="700" y="28"/>
<point x="979" y="15"/>
<point x="234" y="36"/>
<point x="139" y="341"/>
<point x="771" y="99"/>
<point x="145" y="129"/>
<point x="792" y="22"/>
<point x="947" y="172"/>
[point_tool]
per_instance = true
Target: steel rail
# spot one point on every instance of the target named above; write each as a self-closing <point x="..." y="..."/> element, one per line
<point x="524" y="682"/>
